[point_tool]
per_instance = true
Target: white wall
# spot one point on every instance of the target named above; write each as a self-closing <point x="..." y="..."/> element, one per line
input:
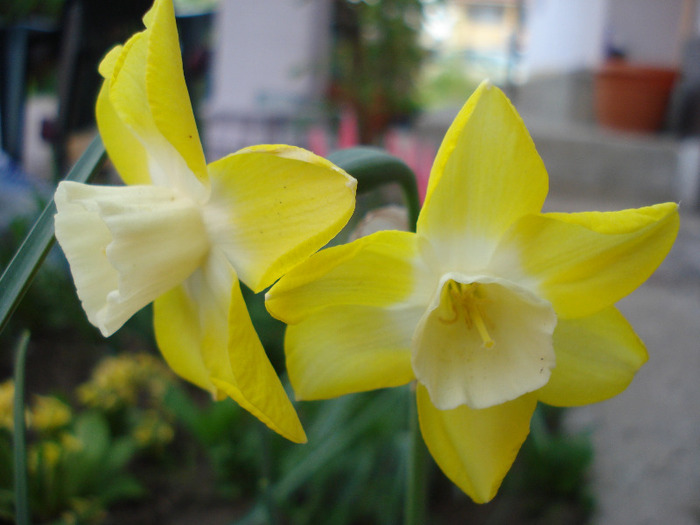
<point x="267" y="54"/>
<point x="565" y="35"/>
<point x="649" y="30"/>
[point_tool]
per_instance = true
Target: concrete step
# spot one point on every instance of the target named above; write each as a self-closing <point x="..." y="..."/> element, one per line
<point x="601" y="163"/>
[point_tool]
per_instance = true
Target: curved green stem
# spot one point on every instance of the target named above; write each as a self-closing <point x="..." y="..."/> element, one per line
<point x="373" y="167"/>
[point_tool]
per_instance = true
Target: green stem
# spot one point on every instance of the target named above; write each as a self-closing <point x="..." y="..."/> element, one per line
<point x="19" y="274"/>
<point x="415" y="508"/>
<point x="19" y="436"/>
<point x="266" y="479"/>
<point x="373" y="167"/>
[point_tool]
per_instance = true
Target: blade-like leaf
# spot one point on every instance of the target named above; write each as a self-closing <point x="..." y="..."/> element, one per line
<point x="19" y="436"/>
<point x="20" y="272"/>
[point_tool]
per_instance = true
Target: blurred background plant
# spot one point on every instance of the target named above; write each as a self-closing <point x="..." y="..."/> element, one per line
<point x="76" y="467"/>
<point x="376" y="62"/>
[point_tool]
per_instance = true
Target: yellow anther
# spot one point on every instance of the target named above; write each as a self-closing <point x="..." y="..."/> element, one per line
<point x="463" y="301"/>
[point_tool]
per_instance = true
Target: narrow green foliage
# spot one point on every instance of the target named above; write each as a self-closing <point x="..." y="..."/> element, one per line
<point x="19" y="273"/>
<point x="19" y="437"/>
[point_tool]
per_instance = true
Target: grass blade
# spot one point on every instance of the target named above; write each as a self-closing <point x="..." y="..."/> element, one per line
<point x="19" y="274"/>
<point x="19" y="436"/>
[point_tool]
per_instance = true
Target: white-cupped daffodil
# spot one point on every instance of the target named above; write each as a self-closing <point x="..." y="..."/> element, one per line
<point x="181" y="233"/>
<point x="490" y="307"/>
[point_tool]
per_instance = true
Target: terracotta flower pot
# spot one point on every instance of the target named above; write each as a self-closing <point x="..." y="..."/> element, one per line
<point x="633" y="97"/>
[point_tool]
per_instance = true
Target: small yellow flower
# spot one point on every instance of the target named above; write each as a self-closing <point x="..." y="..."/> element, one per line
<point x="70" y="442"/>
<point x="491" y="306"/>
<point x="43" y="456"/>
<point x="153" y="430"/>
<point x="7" y="396"/>
<point x="182" y="232"/>
<point x="49" y="413"/>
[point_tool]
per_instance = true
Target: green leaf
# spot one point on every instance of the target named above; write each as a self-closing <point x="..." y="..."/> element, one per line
<point x="20" y="438"/>
<point x="23" y="267"/>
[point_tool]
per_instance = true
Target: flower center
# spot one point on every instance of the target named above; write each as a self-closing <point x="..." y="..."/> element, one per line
<point x="482" y="341"/>
<point x="466" y="302"/>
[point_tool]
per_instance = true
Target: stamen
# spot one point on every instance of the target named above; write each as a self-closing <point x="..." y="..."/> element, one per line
<point x="454" y="298"/>
<point x="463" y="299"/>
<point x="478" y="321"/>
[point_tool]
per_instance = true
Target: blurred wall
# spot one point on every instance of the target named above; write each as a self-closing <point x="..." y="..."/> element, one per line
<point x="565" y="35"/>
<point x="649" y="31"/>
<point x="268" y="55"/>
<point x="570" y="35"/>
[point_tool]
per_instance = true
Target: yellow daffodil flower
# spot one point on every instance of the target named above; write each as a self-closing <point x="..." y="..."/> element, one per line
<point x="490" y="307"/>
<point x="183" y="232"/>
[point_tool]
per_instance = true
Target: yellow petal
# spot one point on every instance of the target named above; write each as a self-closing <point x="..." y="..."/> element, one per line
<point x="475" y="448"/>
<point x="586" y="262"/>
<point x="110" y="61"/>
<point x="378" y="270"/>
<point x="257" y="387"/>
<point x="179" y="335"/>
<point x="133" y="105"/>
<point x="205" y="333"/>
<point x="597" y="357"/>
<point x="126" y="151"/>
<point x="273" y="206"/>
<point x="126" y="246"/>
<point x="487" y="174"/>
<point x="483" y="341"/>
<point x="347" y="349"/>
<point x="167" y="92"/>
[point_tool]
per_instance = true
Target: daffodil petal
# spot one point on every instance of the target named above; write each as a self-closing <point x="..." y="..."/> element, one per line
<point x="84" y="239"/>
<point x="475" y="448"/>
<point x="167" y="92"/>
<point x="597" y="358"/>
<point x="214" y="345"/>
<point x="126" y="245"/>
<point x="273" y="206"/>
<point x="126" y="151"/>
<point x="111" y="61"/>
<point x="487" y="174"/>
<point x="483" y="341"/>
<point x="586" y="262"/>
<point x="178" y="330"/>
<point x="259" y="388"/>
<point x="133" y="105"/>
<point x="346" y="349"/>
<point x="381" y="269"/>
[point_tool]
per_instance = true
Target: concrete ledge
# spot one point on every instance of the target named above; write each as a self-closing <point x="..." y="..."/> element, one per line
<point x="602" y="163"/>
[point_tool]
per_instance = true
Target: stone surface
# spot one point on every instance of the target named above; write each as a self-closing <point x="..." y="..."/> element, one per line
<point x="646" y="468"/>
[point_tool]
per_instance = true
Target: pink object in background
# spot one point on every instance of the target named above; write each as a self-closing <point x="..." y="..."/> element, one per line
<point x="426" y="157"/>
<point x="416" y="154"/>
<point x="348" y="131"/>
<point x="318" y="140"/>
